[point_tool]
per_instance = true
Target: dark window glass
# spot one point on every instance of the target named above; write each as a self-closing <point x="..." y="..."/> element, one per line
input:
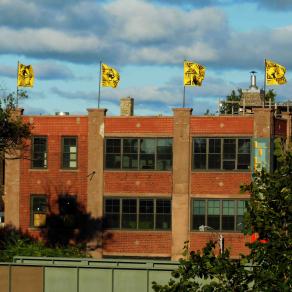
<point x="129" y="213"/>
<point x="147" y="153"/>
<point x="113" y="153"/>
<point x="198" y="214"/>
<point x="243" y="156"/>
<point x="214" y="157"/>
<point x="69" y="152"/>
<point x="163" y="214"/>
<point x="130" y="154"/>
<point x="38" y="210"/>
<point x="164" y="154"/>
<point x="112" y="213"/>
<point x="146" y="214"/>
<point x="39" y="152"/>
<point x="228" y="212"/>
<point x="213" y="215"/>
<point x="229" y="153"/>
<point x="241" y="209"/>
<point x="200" y="153"/>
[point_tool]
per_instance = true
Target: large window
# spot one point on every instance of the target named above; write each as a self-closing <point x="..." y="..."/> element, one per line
<point x="38" y="210"/>
<point x="223" y="215"/>
<point x="69" y="152"/>
<point x="138" y="153"/>
<point x="142" y="213"/>
<point x="39" y="152"/>
<point x="221" y="153"/>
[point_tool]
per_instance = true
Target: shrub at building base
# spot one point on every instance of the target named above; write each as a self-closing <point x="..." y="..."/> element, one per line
<point x="15" y="243"/>
<point x="268" y="266"/>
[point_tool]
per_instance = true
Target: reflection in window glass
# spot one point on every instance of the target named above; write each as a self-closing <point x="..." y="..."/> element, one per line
<point x="198" y="214"/>
<point x="146" y="214"/>
<point x="228" y="212"/>
<point x="164" y="154"/>
<point x="130" y="154"/>
<point x="213" y="214"/>
<point x="147" y="153"/>
<point x="129" y="213"/>
<point x="113" y="153"/>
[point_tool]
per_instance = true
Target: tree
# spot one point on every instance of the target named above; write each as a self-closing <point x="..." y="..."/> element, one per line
<point x="13" y="130"/>
<point x="268" y="265"/>
<point x="231" y="105"/>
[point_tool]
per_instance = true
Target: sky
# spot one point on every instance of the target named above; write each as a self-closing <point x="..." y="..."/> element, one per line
<point x="147" y="42"/>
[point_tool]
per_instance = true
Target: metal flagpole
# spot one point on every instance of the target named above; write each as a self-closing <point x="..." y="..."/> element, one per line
<point x="17" y="89"/>
<point x="265" y="81"/>
<point x="98" y="102"/>
<point x="184" y="97"/>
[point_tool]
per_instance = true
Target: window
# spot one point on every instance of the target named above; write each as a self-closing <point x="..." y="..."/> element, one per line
<point x="38" y="210"/>
<point x="221" y="153"/>
<point x="69" y="152"/>
<point x="221" y="215"/>
<point x="39" y="152"/>
<point x="142" y="213"/>
<point x="138" y="153"/>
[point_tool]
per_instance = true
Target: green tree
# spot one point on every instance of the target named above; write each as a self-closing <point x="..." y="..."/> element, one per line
<point x="231" y="105"/>
<point x="268" y="265"/>
<point x="13" y="130"/>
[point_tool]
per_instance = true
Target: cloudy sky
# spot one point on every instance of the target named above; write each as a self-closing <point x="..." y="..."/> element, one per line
<point x="146" y="41"/>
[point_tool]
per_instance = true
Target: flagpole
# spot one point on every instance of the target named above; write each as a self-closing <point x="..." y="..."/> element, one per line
<point x="17" y="84"/>
<point x="265" y="81"/>
<point x="184" y="97"/>
<point x="98" y="102"/>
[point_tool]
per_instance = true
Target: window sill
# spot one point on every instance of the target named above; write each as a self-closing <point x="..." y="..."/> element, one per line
<point x="137" y="170"/>
<point x="69" y="170"/>
<point x="38" y="169"/>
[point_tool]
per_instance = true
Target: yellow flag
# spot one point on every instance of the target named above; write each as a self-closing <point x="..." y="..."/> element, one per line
<point x="25" y="76"/>
<point x="110" y="77"/>
<point x="275" y="73"/>
<point x="193" y="74"/>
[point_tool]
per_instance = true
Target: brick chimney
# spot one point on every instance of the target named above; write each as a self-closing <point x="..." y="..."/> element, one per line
<point x="127" y="106"/>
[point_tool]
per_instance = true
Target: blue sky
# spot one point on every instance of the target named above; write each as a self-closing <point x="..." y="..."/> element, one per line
<point x="146" y="41"/>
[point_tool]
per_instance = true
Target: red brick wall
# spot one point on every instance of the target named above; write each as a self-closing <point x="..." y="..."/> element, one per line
<point x="223" y="125"/>
<point x="233" y="241"/>
<point x="137" y="182"/>
<point x="218" y="182"/>
<point x="280" y="127"/>
<point x="53" y="180"/>
<point x="139" y="125"/>
<point x="138" y="242"/>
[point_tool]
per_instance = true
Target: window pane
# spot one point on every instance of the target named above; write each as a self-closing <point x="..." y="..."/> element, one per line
<point x="146" y="214"/>
<point x="163" y="214"/>
<point x="199" y="159"/>
<point x="228" y="212"/>
<point x="129" y="213"/>
<point x="164" y="154"/>
<point x="214" y="158"/>
<point x="113" y="153"/>
<point x="130" y="154"/>
<point x="147" y="153"/>
<point x="198" y="214"/>
<point x="243" y="157"/>
<point x="213" y="218"/>
<point x="69" y="152"/>
<point x="39" y="208"/>
<point x="39" y="154"/>
<point x="229" y="148"/>
<point x="112" y="213"/>
<point x="241" y="209"/>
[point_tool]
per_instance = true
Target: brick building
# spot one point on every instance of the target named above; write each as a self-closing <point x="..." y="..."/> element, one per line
<point x="155" y="180"/>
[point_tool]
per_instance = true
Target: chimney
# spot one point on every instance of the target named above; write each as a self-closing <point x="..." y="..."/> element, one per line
<point x="127" y="106"/>
<point x="252" y="97"/>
